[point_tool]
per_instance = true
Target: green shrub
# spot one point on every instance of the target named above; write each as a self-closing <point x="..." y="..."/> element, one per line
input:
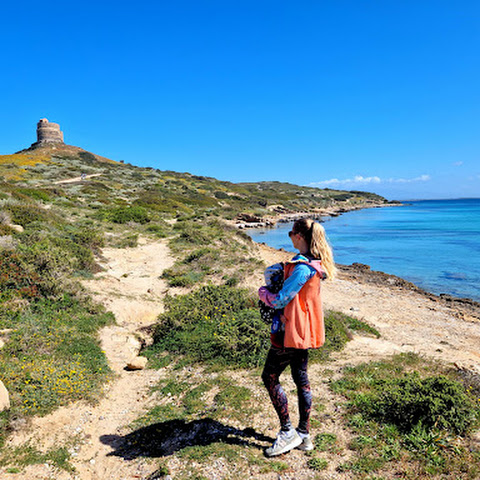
<point x="216" y="324"/>
<point x="196" y="234"/>
<point x="87" y="236"/>
<point x="34" y="193"/>
<point x="160" y="229"/>
<point x="57" y="252"/>
<point x="16" y="279"/>
<point x="221" y="195"/>
<point x="25" y="214"/>
<point x="177" y="278"/>
<point x="417" y="417"/>
<point x="124" y="215"/>
<point x="158" y="201"/>
<point x="433" y="402"/>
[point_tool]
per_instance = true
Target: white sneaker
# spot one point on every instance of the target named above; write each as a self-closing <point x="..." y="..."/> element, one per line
<point x="307" y="443"/>
<point x="285" y="442"/>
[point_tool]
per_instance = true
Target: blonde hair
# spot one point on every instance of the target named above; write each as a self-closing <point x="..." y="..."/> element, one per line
<point x="316" y="238"/>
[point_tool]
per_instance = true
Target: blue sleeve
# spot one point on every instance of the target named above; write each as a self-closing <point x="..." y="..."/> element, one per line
<point x="301" y="274"/>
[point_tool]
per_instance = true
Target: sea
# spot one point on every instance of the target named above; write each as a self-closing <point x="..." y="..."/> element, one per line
<point x="433" y="243"/>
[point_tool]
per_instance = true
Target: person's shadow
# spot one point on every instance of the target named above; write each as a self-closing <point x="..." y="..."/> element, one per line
<point x="165" y="438"/>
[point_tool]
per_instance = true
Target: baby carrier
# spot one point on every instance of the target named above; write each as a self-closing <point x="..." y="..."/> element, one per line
<point x="274" y="278"/>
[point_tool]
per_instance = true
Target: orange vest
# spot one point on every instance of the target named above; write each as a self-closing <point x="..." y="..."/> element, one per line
<point x="304" y="327"/>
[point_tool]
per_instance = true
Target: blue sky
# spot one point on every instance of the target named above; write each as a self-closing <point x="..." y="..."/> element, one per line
<point x="380" y="96"/>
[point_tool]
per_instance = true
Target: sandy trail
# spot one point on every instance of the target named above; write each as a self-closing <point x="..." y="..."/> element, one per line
<point x="77" y="179"/>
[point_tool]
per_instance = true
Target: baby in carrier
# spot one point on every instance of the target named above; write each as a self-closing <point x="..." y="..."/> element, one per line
<point x="274" y="277"/>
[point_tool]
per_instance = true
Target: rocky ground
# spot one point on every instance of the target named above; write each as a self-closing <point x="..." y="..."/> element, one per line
<point x="407" y="318"/>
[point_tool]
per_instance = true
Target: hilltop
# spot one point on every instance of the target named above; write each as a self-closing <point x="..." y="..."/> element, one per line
<point x="101" y="261"/>
<point x="168" y="192"/>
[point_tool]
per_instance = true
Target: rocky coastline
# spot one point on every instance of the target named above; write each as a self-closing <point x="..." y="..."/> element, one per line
<point x="245" y="220"/>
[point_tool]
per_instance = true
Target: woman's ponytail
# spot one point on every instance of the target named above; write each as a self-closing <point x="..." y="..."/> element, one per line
<point x="316" y="238"/>
<point x="320" y="248"/>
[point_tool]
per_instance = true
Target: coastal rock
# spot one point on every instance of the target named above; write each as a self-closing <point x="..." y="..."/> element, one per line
<point x="4" y="398"/>
<point x="362" y="267"/>
<point x="137" y="363"/>
<point x="254" y="225"/>
<point x="245" y="217"/>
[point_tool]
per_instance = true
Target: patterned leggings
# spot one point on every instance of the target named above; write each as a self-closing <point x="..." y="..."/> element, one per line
<point x="277" y="360"/>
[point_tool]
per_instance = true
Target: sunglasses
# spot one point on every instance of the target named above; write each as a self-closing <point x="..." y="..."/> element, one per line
<point x="291" y="233"/>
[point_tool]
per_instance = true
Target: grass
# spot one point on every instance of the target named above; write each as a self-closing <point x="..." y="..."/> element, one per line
<point x="317" y="464"/>
<point x="27" y="454"/>
<point x="204" y="248"/>
<point x="193" y="397"/>
<point x="326" y="442"/>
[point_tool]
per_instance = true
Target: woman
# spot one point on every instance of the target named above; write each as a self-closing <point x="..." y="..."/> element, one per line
<point x="303" y="329"/>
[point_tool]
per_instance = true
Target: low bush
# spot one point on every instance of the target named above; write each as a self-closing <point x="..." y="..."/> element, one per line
<point x="213" y="324"/>
<point x="193" y="234"/>
<point x="176" y="278"/>
<point x="17" y="280"/>
<point x="160" y="229"/>
<point x="410" y="409"/>
<point x="25" y="214"/>
<point x="34" y="193"/>
<point x="432" y="402"/>
<point x="317" y="464"/>
<point x="124" y="215"/>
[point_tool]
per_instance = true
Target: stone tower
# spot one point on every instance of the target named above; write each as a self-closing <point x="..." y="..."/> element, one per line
<point x="48" y="132"/>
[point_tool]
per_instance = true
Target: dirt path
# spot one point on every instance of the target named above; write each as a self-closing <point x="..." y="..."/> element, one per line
<point x="130" y="288"/>
<point x="77" y="179"/>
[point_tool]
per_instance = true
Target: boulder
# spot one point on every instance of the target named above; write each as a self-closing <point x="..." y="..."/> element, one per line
<point x="137" y="363"/>
<point x="17" y="228"/>
<point x="4" y="398"/>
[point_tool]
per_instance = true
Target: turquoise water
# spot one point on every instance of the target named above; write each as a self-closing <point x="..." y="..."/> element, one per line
<point x="432" y="243"/>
